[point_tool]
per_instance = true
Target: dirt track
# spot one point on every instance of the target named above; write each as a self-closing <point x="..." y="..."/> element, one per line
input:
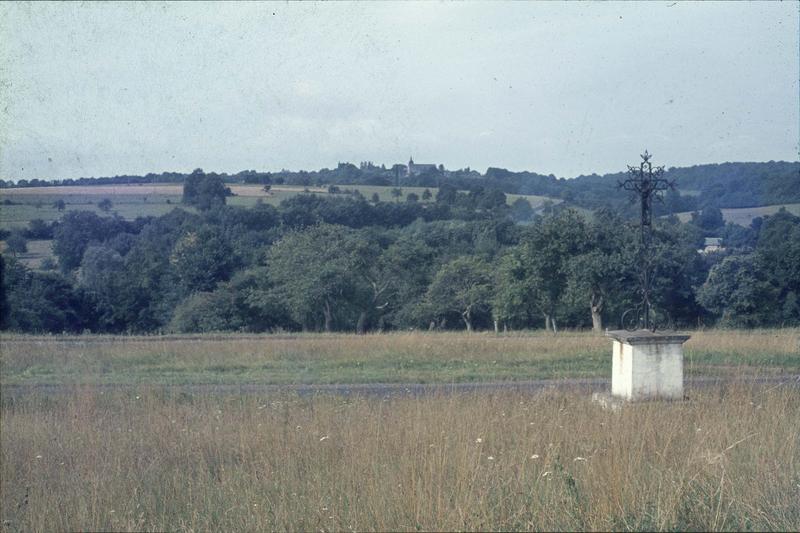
<point x="387" y="390"/>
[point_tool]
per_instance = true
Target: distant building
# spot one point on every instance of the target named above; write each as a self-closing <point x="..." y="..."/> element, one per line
<point x="419" y="168"/>
<point x="711" y="244"/>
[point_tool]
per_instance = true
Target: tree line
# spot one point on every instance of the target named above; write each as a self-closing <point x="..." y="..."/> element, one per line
<point x="345" y="263"/>
<point x="724" y="185"/>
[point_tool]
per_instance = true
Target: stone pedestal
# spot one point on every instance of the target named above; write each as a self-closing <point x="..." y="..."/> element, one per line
<point x="647" y="365"/>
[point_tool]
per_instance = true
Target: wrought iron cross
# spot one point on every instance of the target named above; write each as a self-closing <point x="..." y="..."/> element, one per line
<point x="647" y="181"/>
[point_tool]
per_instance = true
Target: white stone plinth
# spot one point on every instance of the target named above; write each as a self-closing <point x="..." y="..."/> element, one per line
<point x="647" y="365"/>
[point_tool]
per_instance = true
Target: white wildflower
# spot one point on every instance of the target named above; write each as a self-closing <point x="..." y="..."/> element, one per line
<point x="324" y="437"/>
<point x="579" y="459"/>
<point x="535" y="456"/>
<point x="478" y="440"/>
<point x="490" y="458"/>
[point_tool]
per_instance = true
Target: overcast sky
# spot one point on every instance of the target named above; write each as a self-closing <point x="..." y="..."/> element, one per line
<point x="562" y="88"/>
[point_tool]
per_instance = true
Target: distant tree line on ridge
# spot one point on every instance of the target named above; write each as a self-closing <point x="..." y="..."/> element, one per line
<point x="725" y="185"/>
<point x="344" y="263"/>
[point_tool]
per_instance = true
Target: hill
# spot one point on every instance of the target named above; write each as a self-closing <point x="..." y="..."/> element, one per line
<point x="724" y="185"/>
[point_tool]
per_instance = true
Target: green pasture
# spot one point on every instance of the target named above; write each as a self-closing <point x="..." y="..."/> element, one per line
<point x="380" y="358"/>
<point x="38" y="251"/>
<point x="744" y="216"/>
<point x="19" y="206"/>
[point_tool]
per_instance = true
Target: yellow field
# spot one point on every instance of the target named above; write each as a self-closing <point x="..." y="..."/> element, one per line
<point x="149" y="459"/>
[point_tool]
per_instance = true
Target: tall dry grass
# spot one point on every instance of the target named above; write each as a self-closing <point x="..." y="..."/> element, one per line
<point x="729" y="459"/>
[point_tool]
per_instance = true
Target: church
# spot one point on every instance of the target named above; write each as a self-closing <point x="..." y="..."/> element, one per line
<point x="414" y="169"/>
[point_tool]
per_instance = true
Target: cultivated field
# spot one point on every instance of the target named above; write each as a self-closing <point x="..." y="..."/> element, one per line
<point x="745" y="215"/>
<point x="150" y="459"/>
<point x="38" y="251"/>
<point x="130" y="201"/>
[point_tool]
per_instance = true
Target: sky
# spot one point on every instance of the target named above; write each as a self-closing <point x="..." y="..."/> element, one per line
<point x="101" y="89"/>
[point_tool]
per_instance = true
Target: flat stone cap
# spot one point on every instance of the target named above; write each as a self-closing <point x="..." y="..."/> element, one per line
<point x="644" y="336"/>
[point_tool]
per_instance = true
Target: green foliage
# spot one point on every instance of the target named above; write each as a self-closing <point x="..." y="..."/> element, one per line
<point x="204" y="191"/>
<point x="737" y="291"/>
<point x="709" y="219"/>
<point x="17" y="243"/>
<point x="42" y="302"/>
<point x="77" y="229"/>
<point x="339" y="262"/>
<point x="521" y="210"/>
<point x="207" y="311"/>
<point x="319" y="274"/>
<point x="202" y="258"/>
<point x="462" y="286"/>
<point x="105" y="205"/>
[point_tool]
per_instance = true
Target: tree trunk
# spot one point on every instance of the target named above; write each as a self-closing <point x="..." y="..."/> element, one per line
<point x="546" y="322"/>
<point x="596" y="307"/>
<point x="553" y="321"/>
<point x="496" y="327"/>
<point x="362" y="323"/>
<point x="597" y="320"/>
<point x="467" y="320"/>
<point x="326" y="310"/>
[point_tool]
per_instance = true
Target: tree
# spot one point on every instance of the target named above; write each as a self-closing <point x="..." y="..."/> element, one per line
<point x="42" y="302"/>
<point x="462" y="286"/>
<point x="315" y="272"/>
<point x="426" y="195"/>
<point x="778" y="255"/>
<point x="738" y="292"/>
<point x="39" y="229"/>
<point x="521" y="210"/>
<point x="105" y="205"/>
<point x="77" y="229"/>
<point x="201" y="259"/>
<point x="397" y="193"/>
<point x="204" y="191"/>
<point x="447" y="194"/>
<point x="545" y="251"/>
<point x="709" y="219"/>
<point x="412" y="198"/>
<point x="101" y="276"/>
<point x="375" y="198"/>
<point x="17" y="243"/>
<point x="206" y="312"/>
<point x="59" y="204"/>
<point x="604" y="269"/>
<point x="514" y="302"/>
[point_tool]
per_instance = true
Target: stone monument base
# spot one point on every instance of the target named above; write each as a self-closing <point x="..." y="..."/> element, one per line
<point x="647" y="365"/>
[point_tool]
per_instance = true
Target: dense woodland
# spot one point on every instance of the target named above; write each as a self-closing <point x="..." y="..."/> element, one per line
<point x="346" y="263"/>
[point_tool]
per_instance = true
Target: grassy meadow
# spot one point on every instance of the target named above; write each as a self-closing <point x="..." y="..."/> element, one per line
<point x="151" y="459"/>
<point x="150" y="456"/>
<point x="131" y="201"/>
<point x="744" y="216"/>
<point x="410" y="357"/>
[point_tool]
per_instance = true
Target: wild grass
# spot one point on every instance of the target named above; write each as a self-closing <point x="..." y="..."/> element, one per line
<point x="388" y="358"/>
<point x="728" y="459"/>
